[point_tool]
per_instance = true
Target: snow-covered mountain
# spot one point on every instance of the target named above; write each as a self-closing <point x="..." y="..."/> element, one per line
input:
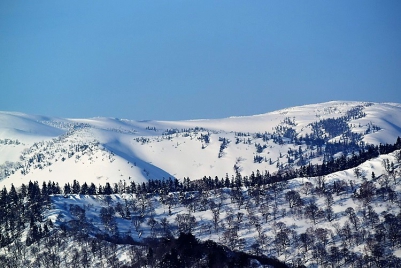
<point x="99" y="150"/>
<point x="344" y="212"/>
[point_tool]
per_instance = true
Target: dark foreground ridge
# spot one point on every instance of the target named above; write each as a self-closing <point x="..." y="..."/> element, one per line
<point x="187" y="251"/>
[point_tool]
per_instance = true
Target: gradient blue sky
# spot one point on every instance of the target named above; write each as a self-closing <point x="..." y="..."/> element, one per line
<point x="172" y="60"/>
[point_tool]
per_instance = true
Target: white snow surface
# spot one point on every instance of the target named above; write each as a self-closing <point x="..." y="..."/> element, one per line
<point x="103" y="150"/>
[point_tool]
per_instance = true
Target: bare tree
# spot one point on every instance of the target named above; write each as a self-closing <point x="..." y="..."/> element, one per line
<point x="320" y="184"/>
<point x="264" y="210"/>
<point x="185" y="222"/>
<point x="307" y="188"/>
<point x="311" y="211"/>
<point x="397" y="155"/>
<point x="322" y="235"/>
<point x="216" y="217"/>
<point x="136" y="221"/>
<point x="330" y="216"/>
<point x="293" y="198"/>
<point x="306" y="240"/>
<point x="165" y="224"/>
<point x="282" y="241"/>
<point x="152" y="223"/>
<point x="357" y="172"/>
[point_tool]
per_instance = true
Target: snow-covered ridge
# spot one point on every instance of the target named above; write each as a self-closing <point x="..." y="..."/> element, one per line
<point x="103" y="149"/>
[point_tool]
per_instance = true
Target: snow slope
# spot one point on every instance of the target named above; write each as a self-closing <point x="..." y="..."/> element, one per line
<point x="110" y="149"/>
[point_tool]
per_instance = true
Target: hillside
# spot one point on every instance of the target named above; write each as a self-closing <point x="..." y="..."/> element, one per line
<point x="345" y="219"/>
<point x="103" y="150"/>
<point x="310" y="186"/>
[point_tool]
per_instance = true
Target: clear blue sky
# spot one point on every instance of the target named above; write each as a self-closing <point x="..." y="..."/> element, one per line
<point x="172" y="60"/>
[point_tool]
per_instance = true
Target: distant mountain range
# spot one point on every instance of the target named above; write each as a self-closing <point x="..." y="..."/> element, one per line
<point x="103" y="150"/>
